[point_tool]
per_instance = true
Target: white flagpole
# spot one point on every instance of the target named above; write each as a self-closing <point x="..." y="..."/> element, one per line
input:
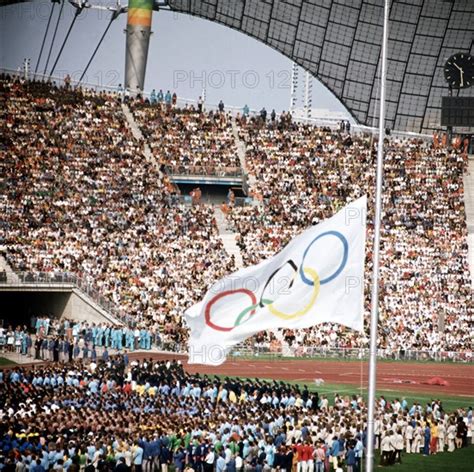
<point x="376" y="259"/>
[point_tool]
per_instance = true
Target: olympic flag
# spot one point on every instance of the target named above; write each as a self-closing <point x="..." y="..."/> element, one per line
<point x="318" y="277"/>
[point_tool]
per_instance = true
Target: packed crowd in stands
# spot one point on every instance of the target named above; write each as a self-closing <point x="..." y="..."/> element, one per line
<point x="79" y="197"/>
<point x="116" y="414"/>
<point x="304" y="174"/>
<point x="188" y="140"/>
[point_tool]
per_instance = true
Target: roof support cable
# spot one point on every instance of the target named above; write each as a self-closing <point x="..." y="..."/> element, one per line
<point x="79" y="10"/>
<point x="54" y="36"/>
<point x="114" y="16"/>
<point x="45" y="33"/>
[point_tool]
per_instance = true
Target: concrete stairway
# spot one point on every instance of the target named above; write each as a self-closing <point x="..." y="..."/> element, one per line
<point x="228" y="237"/>
<point x="137" y="134"/>
<point x="469" y="204"/>
<point x="241" y="148"/>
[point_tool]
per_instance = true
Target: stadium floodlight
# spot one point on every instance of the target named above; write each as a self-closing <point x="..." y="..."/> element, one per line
<point x="118" y="7"/>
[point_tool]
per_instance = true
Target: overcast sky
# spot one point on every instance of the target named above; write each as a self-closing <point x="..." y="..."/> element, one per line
<point x="185" y="53"/>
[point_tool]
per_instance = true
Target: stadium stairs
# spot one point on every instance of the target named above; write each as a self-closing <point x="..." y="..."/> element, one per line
<point x="241" y="148"/>
<point x="228" y="237"/>
<point x="469" y="205"/>
<point x="137" y="134"/>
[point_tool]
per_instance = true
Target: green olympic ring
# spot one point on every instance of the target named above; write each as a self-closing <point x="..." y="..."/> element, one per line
<point x="250" y="308"/>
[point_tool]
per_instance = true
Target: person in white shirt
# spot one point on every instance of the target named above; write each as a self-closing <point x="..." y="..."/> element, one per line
<point x="398" y="443"/>
<point x="441" y="436"/>
<point x="386" y="448"/>
<point x="324" y="403"/>
<point x="228" y="454"/>
<point x="209" y="460"/>
<point x="418" y="435"/>
<point x="95" y="460"/>
<point x="451" y="436"/>
<point x="239" y="463"/>
<point x="470" y="427"/>
<point x="377" y="426"/>
<point x="409" y="438"/>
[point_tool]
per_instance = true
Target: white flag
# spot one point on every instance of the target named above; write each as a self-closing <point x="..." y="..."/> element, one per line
<point x="318" y="277"/>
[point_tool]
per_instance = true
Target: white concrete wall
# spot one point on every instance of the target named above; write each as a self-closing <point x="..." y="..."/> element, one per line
<point x="63" y="302"/>
<point x="469" y="204"/>
<point x="82" y="308"/>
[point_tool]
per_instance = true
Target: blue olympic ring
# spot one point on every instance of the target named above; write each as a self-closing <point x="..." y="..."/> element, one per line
<point x="341" y="266"/>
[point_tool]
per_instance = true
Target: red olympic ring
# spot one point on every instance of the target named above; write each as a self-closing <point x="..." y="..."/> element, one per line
<point x="207" y="311"/>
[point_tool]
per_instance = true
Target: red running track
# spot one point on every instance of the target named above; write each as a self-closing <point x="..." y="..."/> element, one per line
<point x="396" y="376"/>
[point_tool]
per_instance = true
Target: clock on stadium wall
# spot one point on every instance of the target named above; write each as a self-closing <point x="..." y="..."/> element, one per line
<point x="459" y="70"/>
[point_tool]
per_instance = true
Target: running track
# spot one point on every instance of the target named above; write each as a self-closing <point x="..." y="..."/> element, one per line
<point x="396" y="376"/>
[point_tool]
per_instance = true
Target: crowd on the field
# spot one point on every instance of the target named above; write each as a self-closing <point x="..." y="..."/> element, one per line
<point x="78" y="196"/>
<point x="67" y="339"/>
<point x="189" y="140"/>
<point x="151" y="415"/>
<point x="304" y="174"/>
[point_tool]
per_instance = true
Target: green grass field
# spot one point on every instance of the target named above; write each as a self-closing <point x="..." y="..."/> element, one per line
<point x="461" y="460"/>
<point x="5" y="362"/>
<point x="450" y="402"/>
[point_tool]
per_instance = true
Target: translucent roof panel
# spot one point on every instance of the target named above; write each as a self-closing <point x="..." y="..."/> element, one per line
<point x="339" y="42"/>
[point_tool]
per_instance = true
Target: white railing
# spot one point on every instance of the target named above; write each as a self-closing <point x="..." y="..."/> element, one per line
<point x="203" y="171"/>
<point x="308" y="352"/>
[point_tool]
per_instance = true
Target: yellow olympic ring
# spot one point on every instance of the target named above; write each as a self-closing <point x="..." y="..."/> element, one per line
<point x="303" y="311"/>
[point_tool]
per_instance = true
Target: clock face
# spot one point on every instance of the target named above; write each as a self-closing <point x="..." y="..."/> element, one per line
<point x="459" y="70"/>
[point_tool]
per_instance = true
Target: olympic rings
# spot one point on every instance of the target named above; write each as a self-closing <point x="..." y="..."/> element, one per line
<point x="303" y="311"/>
<point x="341" y="265"/>
<point x="314" y="281"/>
<point x="207" y="311"/>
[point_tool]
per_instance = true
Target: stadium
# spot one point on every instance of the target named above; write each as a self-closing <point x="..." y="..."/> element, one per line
<point x="188" y="285"/>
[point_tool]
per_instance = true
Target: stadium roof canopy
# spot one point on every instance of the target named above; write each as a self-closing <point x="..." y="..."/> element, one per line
<point x="338" y="41"/>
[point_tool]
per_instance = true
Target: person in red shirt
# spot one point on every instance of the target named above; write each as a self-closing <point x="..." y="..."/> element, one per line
<point x="301" y="465"/>
<point x="127" y="388"/>
<point x="307" y="452"/>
